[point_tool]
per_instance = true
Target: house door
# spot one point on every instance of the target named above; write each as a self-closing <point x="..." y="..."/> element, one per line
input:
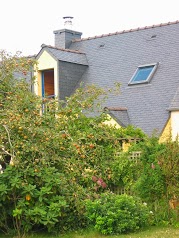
<point x="48" y="83"/>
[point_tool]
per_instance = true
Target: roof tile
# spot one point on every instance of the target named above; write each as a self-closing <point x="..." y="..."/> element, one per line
<point x="127" y="31"/>
<point x="62" y="49"/>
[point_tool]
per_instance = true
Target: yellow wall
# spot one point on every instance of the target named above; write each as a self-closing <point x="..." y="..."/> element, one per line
<point x="125" y="146"/>
<point x="111" y="122"/>
<point x="45" y="62"/>
<point x="166" y="134"/>
<point x="171" y="130"/>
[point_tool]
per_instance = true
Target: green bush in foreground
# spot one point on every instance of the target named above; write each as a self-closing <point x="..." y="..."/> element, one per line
<point x="116" y="214"/>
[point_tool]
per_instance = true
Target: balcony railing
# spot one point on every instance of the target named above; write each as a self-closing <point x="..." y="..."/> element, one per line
<point x="46" y="103"/>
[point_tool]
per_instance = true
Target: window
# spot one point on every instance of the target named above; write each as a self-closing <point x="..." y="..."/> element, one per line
<point x="48" y="83"/>
<point x="143" y="74"/>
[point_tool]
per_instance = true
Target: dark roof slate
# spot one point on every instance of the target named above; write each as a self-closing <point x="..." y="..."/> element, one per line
<point x="67" y="55"/>
<point x="120" y="115"/>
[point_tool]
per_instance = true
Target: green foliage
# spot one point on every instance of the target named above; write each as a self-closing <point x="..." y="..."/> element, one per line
<point x="31" y="198"/>
<point x="150" y="184"/>
<point x="159" y="176"/>
<point x="58" y="158"/>
<point x="153" y="176"/>
<point x="124" y="172"/>
<point x="61" y="157"/>
<point x="168" y="159"/>
<point x="116" y="214"/>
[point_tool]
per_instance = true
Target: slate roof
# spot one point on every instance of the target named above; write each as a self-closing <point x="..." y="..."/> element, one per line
<point x="114" y="58"/>
<point x="67" y="55"/>
<point x="127" y="31"/>
<point x="120" y="115"/>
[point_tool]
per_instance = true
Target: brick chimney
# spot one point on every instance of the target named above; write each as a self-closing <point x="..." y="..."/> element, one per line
<point x="64" y="37"/>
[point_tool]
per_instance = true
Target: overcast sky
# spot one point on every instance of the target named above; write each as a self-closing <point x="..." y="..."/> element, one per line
<point x="26" y="24"/>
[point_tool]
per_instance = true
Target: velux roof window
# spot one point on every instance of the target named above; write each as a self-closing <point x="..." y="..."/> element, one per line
<point x="143" y="74"/>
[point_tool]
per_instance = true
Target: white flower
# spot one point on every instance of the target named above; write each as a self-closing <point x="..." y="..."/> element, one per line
<point x="151" y="212"/>
<point x="145" y="204"/>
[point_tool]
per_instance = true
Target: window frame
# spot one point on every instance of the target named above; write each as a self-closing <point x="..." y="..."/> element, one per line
<point x="131" y="82"/>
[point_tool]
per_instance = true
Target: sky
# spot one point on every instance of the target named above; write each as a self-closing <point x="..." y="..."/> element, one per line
<point x="27" y="24"/>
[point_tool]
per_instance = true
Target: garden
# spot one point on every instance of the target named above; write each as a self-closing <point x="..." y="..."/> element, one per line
<point x="64" y="173"/>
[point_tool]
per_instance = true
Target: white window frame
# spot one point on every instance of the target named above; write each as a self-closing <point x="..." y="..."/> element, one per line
<point x="131" y="82"/>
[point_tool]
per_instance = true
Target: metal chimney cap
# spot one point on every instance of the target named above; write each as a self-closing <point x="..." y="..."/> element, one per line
<point x="68" y="21"/>
<point x="68" y="17"/>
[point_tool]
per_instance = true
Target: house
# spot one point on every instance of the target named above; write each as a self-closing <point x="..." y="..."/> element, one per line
<point x="145" y="61"/>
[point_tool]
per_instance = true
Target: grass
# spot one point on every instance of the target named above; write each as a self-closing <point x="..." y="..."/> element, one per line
<point x="154" y="232"/>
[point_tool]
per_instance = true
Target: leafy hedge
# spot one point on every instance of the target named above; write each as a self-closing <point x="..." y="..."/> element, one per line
<point x="116" y="214"/>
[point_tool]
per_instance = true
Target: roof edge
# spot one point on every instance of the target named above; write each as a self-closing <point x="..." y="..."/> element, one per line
<point x="116" y="119"/>
<point x="115" y="108"/>
<point x="173" y="109"/>
<point x="67" y="30"/>
<point x="127" y="31"/>
<point x="62" y="49"/>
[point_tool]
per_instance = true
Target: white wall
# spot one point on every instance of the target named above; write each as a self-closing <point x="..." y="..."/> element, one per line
<point x="175" y="124"/>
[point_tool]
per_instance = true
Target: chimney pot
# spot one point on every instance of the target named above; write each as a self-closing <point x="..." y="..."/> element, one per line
<point x="68" y="22"/>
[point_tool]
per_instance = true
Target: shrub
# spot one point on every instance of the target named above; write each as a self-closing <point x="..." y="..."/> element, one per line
<point x="115" y="214"/>
<point x="29" y="198"/>
<point x="56" y="162"/>
<point x="158" y="179"/>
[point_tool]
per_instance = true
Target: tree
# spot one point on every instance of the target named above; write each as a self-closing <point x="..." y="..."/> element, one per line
<point x="57" y="158"/>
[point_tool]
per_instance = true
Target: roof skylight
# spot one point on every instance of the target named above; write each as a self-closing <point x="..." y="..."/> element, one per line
<point x="143" y="74"/>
